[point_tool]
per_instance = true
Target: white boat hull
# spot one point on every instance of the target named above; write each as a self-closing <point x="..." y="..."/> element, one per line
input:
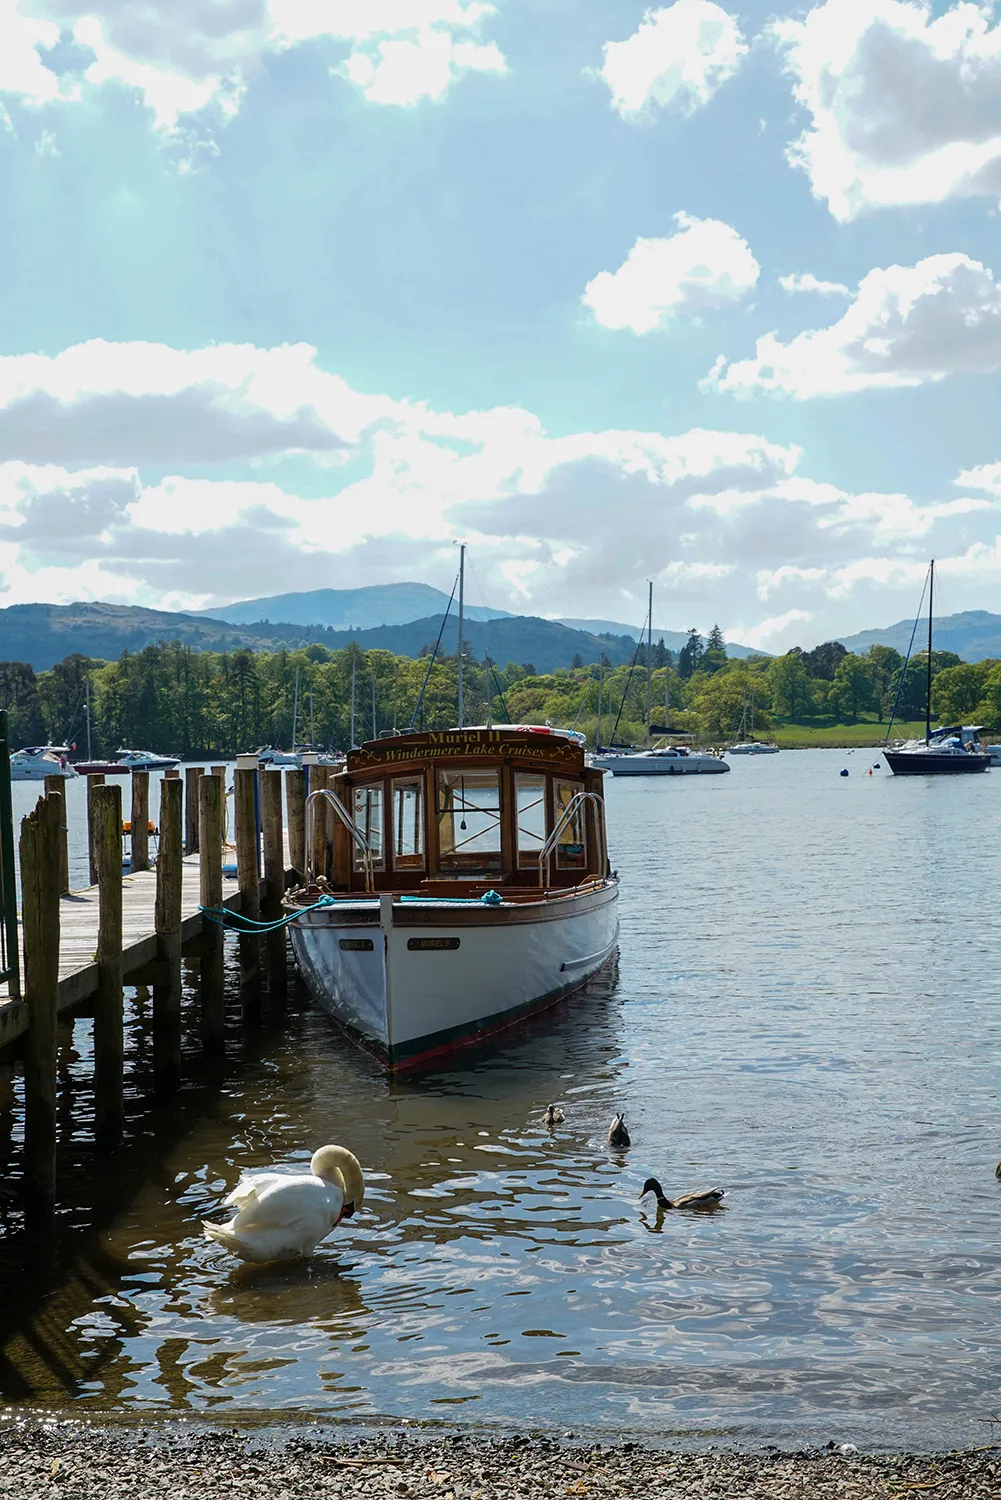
<point x="416" y="979"/>
<point x="38" y="768"/>
<point x="661" y="765"/>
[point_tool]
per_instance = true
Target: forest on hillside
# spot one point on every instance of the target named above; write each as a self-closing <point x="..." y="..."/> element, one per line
<point x="173" y="699"/>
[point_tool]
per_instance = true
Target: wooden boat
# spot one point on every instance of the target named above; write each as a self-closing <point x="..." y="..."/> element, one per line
<point x="466" y="886"/>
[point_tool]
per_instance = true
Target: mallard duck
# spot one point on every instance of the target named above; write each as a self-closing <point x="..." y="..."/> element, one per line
<point x="618" y="1135"/>
<point x="553" y="1116"/>
<point x="704" y="1198"/>
<point x="284" y="1217"/>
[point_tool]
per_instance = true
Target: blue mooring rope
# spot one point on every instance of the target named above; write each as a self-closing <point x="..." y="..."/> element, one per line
<point x="223" y="917"/>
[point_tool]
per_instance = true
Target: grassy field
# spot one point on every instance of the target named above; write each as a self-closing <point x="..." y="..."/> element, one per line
<point x="824" y="734"/>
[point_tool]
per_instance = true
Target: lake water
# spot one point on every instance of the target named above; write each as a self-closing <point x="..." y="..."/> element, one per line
<point x="805" y="1012"/>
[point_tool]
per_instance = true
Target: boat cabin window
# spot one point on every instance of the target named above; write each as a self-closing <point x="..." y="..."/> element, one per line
<point x="530" y="813"/>
<point x="571" y="847"/>
<point x="408" y="824"/>
<point x="469" y="822"/>
<point x="368" y="818"/>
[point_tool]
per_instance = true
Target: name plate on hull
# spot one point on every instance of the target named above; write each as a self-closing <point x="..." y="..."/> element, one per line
<point x="432" y="945"/>
<point x="356" y="945"/>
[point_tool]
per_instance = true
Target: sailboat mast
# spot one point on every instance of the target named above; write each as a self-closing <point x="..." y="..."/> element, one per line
<point x="649" y="662"/>
<point x="295" y="708"/>
<point x="375" y="724"/>
<point x="490" y="694"/>
<point x="601" y="684"/>
<point x="354" y="669"/>
<point x="931" y="598"/>
<point x="312" y="723"/>
<point x="87" y="690"/>
<point x="462" y="585"/>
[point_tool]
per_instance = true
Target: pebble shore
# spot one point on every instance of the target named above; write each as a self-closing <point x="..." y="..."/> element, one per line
<point x="74" y="1461"/>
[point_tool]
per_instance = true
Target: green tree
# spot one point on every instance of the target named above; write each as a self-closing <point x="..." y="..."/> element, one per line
<point x="789" y="683"/>
<point x="690" y="654"/>
<point x="956" y="691"/>
<point x="823" y="660"/>
<point x="852" y="690"/>
<point x="719" y="704"/>
<point x="714" y="657"/>
<point x="883" y="663"/>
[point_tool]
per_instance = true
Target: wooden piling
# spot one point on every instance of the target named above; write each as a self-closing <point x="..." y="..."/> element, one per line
<point x="92" y="782"/>
<point x="171" y="774"/>
<point x="295" y="812"/>
<point x="139" y="818"/>
<point x="167" y="988"/>
<point x="39" y="852"/>
<point x="245" y="823"/>
<point x="274" y="879"/>
<point x="55" y="786"/>
<point x="109" y="1037"/>
<point x="192" y="775"/>
<point x="318" y="776"/>
<point x="210" y="808"/>
<point x="218" y="771"/>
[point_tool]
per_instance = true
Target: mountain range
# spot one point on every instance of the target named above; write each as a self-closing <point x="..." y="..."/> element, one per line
<point x="975" y="635"/>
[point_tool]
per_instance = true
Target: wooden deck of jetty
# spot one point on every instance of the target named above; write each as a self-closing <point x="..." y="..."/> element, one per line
<point x="78" y="950"/>
<point x="79" y="918"/>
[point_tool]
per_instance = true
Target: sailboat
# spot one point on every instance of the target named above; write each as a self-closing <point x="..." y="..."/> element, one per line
<point x="750" y="746"/>
<point x="665" y="760"/>
<point x="950" y="750"/>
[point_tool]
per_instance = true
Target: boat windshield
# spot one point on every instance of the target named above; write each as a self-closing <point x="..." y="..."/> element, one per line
<point x="469" y="821"/>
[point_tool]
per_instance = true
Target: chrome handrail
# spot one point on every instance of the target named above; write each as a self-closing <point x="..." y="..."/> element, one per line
<point x="576" y="801"/>
<point x="349" y="823"/>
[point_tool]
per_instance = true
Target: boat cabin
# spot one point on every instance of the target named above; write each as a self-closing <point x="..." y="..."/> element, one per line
<point x="460" y="812"/>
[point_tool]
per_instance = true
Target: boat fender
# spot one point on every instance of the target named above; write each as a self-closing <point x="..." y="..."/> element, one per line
<point x="845" y="772"/>
<point x="492" y="898"/>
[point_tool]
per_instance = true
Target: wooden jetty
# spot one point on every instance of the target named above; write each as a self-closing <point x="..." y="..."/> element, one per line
<point x="73" y="952"/>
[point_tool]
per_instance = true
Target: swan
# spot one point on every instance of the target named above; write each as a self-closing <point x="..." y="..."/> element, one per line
<point x="553" y="1116"/>
<point x="618" y="1135"/>
<point x="704" y="1198"/>
<point x="284" y="1217"/>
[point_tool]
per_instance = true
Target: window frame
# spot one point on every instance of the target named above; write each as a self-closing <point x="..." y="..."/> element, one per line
<point x="417" y="862"/>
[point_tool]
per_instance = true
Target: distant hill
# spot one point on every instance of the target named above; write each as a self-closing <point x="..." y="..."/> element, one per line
<point x="673" y="639"/>
<point x="44" y="634"/>
<point x="974" y="635"/>
<point x="349" y="609"/>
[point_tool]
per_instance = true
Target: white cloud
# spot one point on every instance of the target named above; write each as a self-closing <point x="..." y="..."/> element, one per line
<point x="986" y="477"/>
<point x="185" y="55"/>
<point x="705" y="265"/>
<point x="767" y="634"/>
<point x="681" y="54"/>
<point x="905" y="106"/>
<point x="908" y="326"/>
<point x="133" y="403"/>
<point x="808" y="283"/>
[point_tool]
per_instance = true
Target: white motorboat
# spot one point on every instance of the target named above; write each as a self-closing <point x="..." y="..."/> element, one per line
<point x="752" y="747"/>
<point x="468" y="887"/>
<point x="35" y="762"/>
<point x="672" y="760"/>
<point x="145" y="760"/>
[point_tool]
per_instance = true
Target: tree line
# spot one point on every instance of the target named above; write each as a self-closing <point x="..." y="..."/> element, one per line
<point x="198" y="704"/>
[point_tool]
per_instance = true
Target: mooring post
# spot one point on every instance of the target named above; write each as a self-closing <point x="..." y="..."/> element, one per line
<point x="93" y="781"/>
<point x="295" y="812"/>
<point x="39" y="851"/>
<point x="109" y="1020"/>
<point x="245" y="822"/>
<point x="318" y="854"/>
<point x="274" y="880"/>
<point x="210" y="803"/>
<point x="55" y="786"/>
<point x="171" y="774"/>
<point x="139" y="818"/>
<point x="167" y="991"/>
<point x="192" y="775"/>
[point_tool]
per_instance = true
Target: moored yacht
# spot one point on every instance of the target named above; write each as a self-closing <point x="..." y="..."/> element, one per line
<point x="467" y="887"/>
<point x="671" y="760"/>
<point x="35" y="762"/>
<point x="145" y="760"/>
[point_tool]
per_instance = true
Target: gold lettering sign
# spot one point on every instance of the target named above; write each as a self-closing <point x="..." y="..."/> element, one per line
<point x="455" y="744"/>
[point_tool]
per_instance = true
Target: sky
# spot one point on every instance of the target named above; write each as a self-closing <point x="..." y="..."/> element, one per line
<point x="296" y="293"/>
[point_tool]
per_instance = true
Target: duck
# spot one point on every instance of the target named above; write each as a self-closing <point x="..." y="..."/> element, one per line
<point x="283" y="1217"/>
<point x="618" y="1135"/>
<point x="553" y="1116"/>
<point x="997" y="1171"/>
<point x="703" y="1198"/>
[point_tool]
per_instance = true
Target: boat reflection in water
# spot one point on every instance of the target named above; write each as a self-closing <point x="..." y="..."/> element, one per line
<point x="468" y="886"/>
